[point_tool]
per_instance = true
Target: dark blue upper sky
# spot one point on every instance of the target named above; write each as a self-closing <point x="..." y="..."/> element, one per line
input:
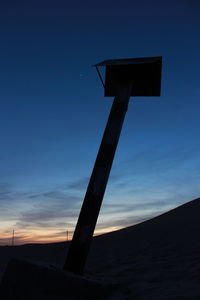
<point x="52" y="112"/>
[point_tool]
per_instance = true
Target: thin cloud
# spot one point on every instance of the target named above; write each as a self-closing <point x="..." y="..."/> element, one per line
<point x="46" y="214"/>
<point x="120" y="222"/>
<point x="155" y="162"/>
<point x="128" y="207"/>
<point x="79" y="185"/>
<point x="46" y="209"/>
<point x="8" y="240"/>
<point x="5" y="192"/>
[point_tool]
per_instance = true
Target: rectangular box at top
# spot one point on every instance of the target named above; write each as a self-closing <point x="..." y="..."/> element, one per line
<point x="145" y="74"/>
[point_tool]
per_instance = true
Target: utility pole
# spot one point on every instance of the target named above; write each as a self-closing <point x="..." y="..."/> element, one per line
<point x="67" y="235"/>
<point x="13" y="237"/>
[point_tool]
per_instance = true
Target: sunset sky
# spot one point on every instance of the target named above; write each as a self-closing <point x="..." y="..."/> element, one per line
<point x="53" y="113"/>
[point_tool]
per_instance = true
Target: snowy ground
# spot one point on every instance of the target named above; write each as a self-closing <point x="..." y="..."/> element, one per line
<point x="158" y="259"/>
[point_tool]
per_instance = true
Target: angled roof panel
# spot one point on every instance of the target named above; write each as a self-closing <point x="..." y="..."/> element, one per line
<point x="129" y="61"/>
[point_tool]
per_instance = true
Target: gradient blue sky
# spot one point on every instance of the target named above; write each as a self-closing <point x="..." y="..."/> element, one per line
<point x="53" y="112"/>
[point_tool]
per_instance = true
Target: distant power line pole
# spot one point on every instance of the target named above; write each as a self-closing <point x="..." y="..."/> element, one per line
<point x="13" y="237"/>
<point x="67" y="235"/>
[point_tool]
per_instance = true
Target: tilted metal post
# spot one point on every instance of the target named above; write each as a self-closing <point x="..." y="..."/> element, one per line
<point x="85" y="227"/>
<point x="124" y="78"/>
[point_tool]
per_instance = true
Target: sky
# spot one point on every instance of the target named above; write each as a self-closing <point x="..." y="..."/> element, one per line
<point x="53" y="113"/>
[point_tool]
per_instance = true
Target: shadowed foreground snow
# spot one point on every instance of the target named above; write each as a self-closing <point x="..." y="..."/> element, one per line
<point x="157" y="259"/>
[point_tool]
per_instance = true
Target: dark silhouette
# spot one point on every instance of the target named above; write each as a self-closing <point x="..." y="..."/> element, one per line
<point x="124" y="78"/>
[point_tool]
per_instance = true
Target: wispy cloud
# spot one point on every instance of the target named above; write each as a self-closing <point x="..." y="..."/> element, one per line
<point x="43" y="210"/>
<point x="120" y="221"/>
<point x="151" y="174"/>
<point x="44" y="213"/>
<point x="155" y="161"/>
<point x="139" y="188"/>
<point x="5" y="192"/>
<point x="8" y="240"/>
<point x="79" y="184"/>
<point x="134" y="207"/>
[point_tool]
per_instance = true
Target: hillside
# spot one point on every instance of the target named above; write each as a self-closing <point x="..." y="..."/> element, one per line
<point x="156" y="259"/>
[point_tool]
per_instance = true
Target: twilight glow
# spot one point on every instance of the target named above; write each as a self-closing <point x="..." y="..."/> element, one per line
<point x="53" y="113"/>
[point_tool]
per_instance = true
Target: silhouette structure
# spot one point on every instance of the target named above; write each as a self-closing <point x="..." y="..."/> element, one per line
<point x="13" y="238"/>
<point x="124" y="78"/>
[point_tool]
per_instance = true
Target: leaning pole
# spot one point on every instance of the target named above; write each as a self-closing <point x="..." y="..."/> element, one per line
<point x="124" y="78"/>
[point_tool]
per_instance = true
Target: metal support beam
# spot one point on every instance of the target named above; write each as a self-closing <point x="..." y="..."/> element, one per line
<point x="85" y="227"/>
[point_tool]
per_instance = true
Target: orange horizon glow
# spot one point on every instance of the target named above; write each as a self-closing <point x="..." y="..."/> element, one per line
<point x="43" y="237"/>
